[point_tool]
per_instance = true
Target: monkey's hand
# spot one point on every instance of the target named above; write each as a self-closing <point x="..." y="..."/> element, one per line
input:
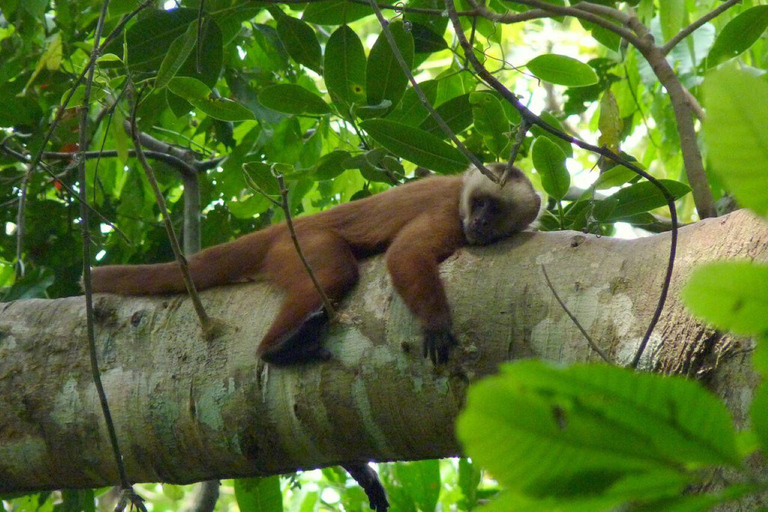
<point x="437" y="343"/>
<point x="369" y="481"/>
<point x="303" y="344"/>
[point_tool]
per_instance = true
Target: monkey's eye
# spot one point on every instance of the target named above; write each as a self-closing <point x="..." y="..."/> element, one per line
<point x="484" y="204"/>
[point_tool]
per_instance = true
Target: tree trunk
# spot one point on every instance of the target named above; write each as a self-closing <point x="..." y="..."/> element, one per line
<point x="188" y="410"/>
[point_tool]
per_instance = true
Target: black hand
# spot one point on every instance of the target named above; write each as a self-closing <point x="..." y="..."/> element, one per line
<point x="437" y="343"/>
<point x="303" y="344"/>
<point x="369" y="481"/>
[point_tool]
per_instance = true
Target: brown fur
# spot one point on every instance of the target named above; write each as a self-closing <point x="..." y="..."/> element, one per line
<point x="418" y="225"/>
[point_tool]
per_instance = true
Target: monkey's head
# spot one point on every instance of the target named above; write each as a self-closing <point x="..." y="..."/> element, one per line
<point x="489" y="212"/>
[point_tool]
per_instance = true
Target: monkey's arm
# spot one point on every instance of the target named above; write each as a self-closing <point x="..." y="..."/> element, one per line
<point x="412" y="260"/>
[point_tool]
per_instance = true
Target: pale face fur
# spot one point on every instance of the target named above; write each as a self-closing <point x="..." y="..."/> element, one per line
<point x="489" y="212"/>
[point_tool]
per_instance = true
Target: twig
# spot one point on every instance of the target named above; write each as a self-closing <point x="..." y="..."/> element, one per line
<point x="522" y="129"/>
<point x="592" y="344"/>
<point x="423" y="97"/>
<point x="289" y="222"/>
<point x="208" y="325"/>
<point x="536" y="120"/>
<point x="86" y="233"/>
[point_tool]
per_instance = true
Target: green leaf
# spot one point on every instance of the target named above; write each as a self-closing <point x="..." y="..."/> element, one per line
<point x="301" y="42"/>
<point x="421" y="481"/>
<point x="614" y="177"/>
<point x="737" y="135"/>
<point x="554" y="122"/>
<point x="335" y="12"/>
<point x="258" y="175"/>
<point x="730" y="295"/>
<point x="385" y="79"/>
<point x="549" y="161"/>
<point x="457" y="114"/>
<point x="426" y="40"/>
<point x="147" y="41"/>
<point x="199" y="95"/>
<point x="586" y="429"/>
<point x="292" y="99"/>
<point x="738" y="35"/>
<point x="178" y="53"/>
<point x="411" y="110"/>
<point x="672" y="15"/>
<point x="562" y="70"/>
<point x="416" y="145"/>
<point x="345" y="69"/>
<point x="259" y="494"/>
<point x="642" y="197"/>
<point x="490" y="121"/>
<point x="331" y="165"/>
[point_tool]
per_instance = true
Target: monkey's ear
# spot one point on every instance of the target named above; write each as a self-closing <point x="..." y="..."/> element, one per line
<point x="303" y="344"/>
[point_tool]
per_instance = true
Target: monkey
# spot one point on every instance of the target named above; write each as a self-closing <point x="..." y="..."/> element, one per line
<point x="416" y="225"/>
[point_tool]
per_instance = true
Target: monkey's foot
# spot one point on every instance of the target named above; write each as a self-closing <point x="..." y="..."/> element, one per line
<point x="437" y="343"/>
<point x="369" y="481"/>
<point x="303" y="344"/>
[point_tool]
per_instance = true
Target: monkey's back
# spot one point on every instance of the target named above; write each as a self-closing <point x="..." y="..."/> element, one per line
<point x="370" y="224"/>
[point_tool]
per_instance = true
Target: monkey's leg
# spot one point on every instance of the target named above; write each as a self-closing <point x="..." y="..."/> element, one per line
<point x="412" y="260"/>
<point x="367" y="478"/>
<point x="295" y="335"/>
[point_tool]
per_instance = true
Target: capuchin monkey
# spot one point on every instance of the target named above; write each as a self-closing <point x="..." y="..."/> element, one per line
<point x="416" y="225"/>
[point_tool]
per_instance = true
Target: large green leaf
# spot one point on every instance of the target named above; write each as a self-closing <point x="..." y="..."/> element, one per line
<point x="549" y="161"/>
<point x="737" y="135"/>
<point x="586" y="429"/>
<point x="672" y="14"/>
<point x="411" y="110"/>
<point x="562" y="70"/>
<point x="416" y="145"/>
<point x="638" y="198"/>
<point x="335" y="12"/>
<point x="345" y="69"/>
<point x="292" y="99"/>
<point x="730" y="295"/>
<point x="199" y="95"/>
<point x="490" y="121"/>
<point x="259" y="494"/>
<point x="421" y="481"/>
<point x="457" y="114"/>
<point x="738" y="35"/>
<point x="300" y="41"/>
<point x="177" y="54"/>
<point x="385" y="78"/>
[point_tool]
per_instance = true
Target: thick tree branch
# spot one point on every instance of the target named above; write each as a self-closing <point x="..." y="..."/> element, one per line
<point x="188" y="410"/>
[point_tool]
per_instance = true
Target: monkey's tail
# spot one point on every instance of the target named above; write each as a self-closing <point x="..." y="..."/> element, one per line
<point x="226" y="263"/>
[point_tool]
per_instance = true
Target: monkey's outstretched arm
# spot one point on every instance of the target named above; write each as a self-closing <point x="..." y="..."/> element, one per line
<point x="412" y="260"/>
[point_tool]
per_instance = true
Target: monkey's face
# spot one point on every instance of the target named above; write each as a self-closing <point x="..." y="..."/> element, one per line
<point x="490" y="213"/>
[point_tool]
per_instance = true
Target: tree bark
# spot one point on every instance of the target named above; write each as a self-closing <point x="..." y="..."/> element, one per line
<point x="188" y="410"/>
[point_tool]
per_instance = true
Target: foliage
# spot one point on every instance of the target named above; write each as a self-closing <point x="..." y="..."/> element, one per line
<point x="318" y="89"/>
